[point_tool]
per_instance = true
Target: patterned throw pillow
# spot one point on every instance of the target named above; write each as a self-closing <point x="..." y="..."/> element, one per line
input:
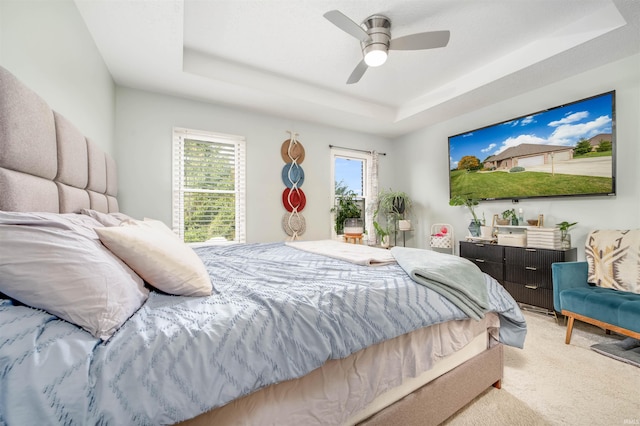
<point x="613" y="257"/>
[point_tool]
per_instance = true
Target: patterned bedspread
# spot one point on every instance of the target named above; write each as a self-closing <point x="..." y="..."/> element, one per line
<point x="277" y="314"/>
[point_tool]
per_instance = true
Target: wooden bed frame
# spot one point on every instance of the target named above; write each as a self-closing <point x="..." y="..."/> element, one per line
<point x="47" y="165"/>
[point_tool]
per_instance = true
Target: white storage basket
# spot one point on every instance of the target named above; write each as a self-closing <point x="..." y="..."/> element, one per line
<point x="442" y="236"/>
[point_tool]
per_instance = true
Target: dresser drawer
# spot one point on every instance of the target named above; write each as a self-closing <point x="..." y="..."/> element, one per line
<point x="542" y="297"/>
<point x="532" y="257"/>
<point x="532" y="276"/>
<point x="494" y="269"/>
<point x="486" y="252"/>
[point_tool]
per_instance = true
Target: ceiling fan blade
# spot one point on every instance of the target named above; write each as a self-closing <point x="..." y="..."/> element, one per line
<point x="419" y="41"/>
<point x="358" y="72"/>
<point x="341" y="21"/>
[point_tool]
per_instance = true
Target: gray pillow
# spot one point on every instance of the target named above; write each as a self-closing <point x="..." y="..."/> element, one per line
<point x="57" y="263"/>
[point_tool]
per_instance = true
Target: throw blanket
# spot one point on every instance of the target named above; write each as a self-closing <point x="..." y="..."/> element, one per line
<point x="277" y="314"/>
<point x="456" y="278"/>
<point x="354" y="253"/>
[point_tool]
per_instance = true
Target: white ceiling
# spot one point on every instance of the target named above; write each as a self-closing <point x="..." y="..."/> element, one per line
<point x="282" y="57"/>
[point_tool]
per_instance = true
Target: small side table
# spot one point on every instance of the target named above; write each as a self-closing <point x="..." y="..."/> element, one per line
<point x="353" y="238"/>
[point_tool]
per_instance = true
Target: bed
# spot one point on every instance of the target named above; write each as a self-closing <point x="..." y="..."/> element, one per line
<point x="258" y="334"/>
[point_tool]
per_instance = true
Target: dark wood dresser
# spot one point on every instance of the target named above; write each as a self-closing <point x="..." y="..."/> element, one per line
<point x="525" y="272"/>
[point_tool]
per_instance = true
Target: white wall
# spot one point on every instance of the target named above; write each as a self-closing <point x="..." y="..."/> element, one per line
<point x="48" y="47"/>
<point x="144" y="123"/>
<point x="423" y="157"/>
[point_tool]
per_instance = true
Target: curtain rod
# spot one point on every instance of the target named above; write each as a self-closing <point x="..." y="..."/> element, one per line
<point x="358" y="150"/>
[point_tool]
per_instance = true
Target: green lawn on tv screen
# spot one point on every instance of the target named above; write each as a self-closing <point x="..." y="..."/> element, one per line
<point x="500" y="184"/>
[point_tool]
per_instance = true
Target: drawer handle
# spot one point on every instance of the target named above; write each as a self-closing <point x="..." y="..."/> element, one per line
<point x="480" y="260"/>
<point x="530" y="249"/>
<point x="531" y="268"/>
<point x="531" y="286"/>
<point x="479" y="245"/>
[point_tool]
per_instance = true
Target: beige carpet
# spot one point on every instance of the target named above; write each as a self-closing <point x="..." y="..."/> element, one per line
<point x="497" y="407"/>
<point x="550" y="383"/>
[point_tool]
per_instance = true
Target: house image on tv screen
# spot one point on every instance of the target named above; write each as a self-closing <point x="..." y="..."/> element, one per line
<point x="532" y="156"/>
<point x="528" y="155"/>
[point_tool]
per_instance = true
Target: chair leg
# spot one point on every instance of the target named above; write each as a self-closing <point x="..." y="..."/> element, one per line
<point x="569" y="329"/>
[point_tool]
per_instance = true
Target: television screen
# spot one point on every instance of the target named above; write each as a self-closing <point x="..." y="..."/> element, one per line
<point x="568" y="150"/>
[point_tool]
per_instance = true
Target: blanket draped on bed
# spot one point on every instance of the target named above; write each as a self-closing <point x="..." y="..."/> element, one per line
<point x="354" y="253"/>
<point x="456" y="278"/>
<point x="277" y="313"/>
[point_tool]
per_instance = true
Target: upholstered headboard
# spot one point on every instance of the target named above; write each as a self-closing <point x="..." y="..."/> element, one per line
<point x="46" y="164"/>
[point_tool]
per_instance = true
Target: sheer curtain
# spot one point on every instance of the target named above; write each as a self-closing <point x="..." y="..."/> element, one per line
<point x="372" y="199"/>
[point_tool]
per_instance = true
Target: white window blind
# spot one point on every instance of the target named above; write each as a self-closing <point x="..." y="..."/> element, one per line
<point x="209" y="180"/>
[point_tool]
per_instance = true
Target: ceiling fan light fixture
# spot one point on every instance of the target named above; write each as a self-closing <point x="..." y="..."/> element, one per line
<point x="375" y="57"/>
<point x="374" y="34"/>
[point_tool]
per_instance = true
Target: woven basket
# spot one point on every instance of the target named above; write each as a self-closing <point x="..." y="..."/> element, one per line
<point x="293" y="223"/>
<point x="441" y="242"/>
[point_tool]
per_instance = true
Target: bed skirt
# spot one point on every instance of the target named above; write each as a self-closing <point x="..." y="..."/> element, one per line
<point x="443" y="384"/>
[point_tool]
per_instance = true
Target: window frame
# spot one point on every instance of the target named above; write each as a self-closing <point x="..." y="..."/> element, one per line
<point x="178" y="189"/>
<point x="367" y="158"/>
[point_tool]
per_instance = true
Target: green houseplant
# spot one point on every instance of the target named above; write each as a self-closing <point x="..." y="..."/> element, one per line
<point x="394" y="207"/>
<point x="510" y="215"/>
<point x="383" y="233"/>
<point x="565" y="237"/>
<point x="347" y="207"/>
<point x="470" y="203"/>
<point x="394" y="204"/>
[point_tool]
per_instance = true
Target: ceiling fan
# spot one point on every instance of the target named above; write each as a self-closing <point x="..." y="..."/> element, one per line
<point x="375" y="38"/>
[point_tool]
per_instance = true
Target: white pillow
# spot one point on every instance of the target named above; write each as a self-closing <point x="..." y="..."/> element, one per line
<point x="106" y="219"/>
<point x="56" y="263"/>
<point x="151" y="249"/>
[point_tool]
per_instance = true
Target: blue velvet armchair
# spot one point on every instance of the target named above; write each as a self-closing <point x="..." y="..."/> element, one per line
<point x="608" y="308"/>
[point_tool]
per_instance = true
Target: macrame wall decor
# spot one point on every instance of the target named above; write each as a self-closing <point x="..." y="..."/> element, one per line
<point x="293" y="197"/>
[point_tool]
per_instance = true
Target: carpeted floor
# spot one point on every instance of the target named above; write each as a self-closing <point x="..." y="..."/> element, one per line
<point x="550" y="383"/>
<point x="497" y="407"/>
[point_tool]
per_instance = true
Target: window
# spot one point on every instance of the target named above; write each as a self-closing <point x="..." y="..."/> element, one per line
<point x="350" y="173"/>
<point x="208" y="186"/>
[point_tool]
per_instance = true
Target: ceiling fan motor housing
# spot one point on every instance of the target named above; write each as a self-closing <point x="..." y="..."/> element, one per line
<point x="379" y="29"/>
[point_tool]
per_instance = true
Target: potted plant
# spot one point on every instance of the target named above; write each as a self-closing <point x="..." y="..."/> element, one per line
<point x="383" y="233"/>
<point x="396" y="206"/>
<point x="565" y="237"/>
<point x="470" y="203"/>
<point x="509" y="217"/>
<point x="347" y="207"/>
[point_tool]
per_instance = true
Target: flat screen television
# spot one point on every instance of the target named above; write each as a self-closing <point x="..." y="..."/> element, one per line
<point x="567" y="150"/>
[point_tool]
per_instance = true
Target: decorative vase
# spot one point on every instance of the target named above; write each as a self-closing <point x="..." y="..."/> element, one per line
<point x="353" y="226"/>
<point x="474" y="228"/>
<point x="404" y="224"/>
<point x="565" y="240"/>
<point x="384" y="241"/>
<point x="486" y="232"/>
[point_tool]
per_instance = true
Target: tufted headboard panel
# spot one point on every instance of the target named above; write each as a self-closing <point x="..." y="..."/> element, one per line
<point x="46" y="163"/>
